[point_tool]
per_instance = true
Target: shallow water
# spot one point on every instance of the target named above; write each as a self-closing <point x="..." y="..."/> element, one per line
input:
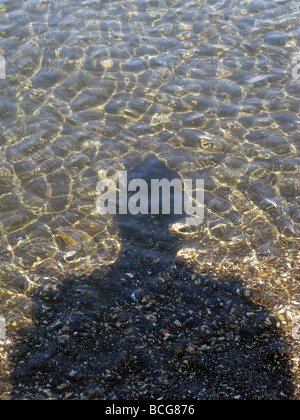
<point x="95" y="87"/>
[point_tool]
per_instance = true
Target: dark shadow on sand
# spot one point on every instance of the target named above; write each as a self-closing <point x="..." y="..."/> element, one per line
<point x="148" y="328"/>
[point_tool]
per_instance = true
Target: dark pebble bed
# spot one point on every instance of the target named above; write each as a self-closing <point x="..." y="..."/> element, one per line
<point x="146" y="328"/>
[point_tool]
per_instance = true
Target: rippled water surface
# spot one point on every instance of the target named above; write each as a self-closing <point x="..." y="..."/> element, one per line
<point x="95" y="87"/>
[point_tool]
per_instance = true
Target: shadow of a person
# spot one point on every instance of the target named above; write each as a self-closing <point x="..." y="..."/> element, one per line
<point x="147" y="328"/>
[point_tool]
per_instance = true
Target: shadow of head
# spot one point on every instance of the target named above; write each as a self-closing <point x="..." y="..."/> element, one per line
<point x="157" y="207"/>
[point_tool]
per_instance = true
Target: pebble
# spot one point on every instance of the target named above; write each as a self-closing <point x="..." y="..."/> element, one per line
<point x="96" y="116"/>
<point x="204" y="347"/>
<point x="63" y="338"/>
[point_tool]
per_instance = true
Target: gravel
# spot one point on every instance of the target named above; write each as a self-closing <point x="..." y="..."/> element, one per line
<point x="161" y="332"/>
